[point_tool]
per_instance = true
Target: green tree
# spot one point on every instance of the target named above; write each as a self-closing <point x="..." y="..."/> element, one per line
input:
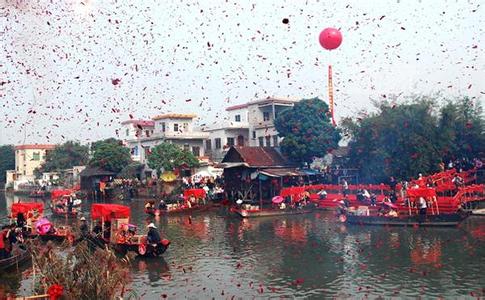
<point x="114" y="141"/>
<point x="170" y="156"/>
<point x="307" y="130"/>
<point x="110" y="155"/>
<point x="7" y="161"/>
<point x="462" y="127"/>
<point x="65" y="156"/>
<point x="413" y="137"/>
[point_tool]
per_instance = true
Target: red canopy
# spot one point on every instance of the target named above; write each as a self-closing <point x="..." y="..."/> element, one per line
<point x="109" y="211"/>
<point x="421" y="192"/>
<point x="55" y="194"/>
<point x="197" y="193"/>
<point x="24" y="208"/>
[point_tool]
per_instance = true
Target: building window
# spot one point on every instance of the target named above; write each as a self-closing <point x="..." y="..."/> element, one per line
<point x="275" y="141"/>
<point x="186" y="147"/>
<point x="127" y="132"/>
<point x="238" y="118"/>
<point x="36" y="156"/>
<point x="196" y="151"/>
<point x="163" y="126"/>
<point x="208" y="145"/>
<point x="230" y="141"/>
<point x="134" y="151"/>
<point x="261" y="141"/>
<point x="147" y="132"/>
<point x="268" y="141"/>
<point x="266" y="116"/>
<point x="186" y="127"/>
<point x="175" y="127"/>
<point x="254" y="135"/>
<point x="218" y="143"/>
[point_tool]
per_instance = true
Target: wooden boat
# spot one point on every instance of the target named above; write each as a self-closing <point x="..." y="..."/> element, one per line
<point x="255" y="213"/>
<point x="415" y="220"/>
<point x="117" y="216"/>
<point x="41" y="227"/>
<point x="177" y="210"/>
<point x="20" y="255"/>
<point x="59" y="207"/>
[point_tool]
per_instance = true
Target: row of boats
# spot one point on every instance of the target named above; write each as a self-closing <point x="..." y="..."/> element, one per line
<point x="109" y="226"/>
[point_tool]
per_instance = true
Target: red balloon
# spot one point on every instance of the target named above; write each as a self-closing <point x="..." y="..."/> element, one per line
<point x="330" y="38"/>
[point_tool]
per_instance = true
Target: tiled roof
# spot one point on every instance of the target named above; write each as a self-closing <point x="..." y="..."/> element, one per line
<point x="36" y="147"/>
<point x="234" y="107"/>
<point x="256" y="157"/>
<point x="143" y="123"/>
<point x="174" y="116"/>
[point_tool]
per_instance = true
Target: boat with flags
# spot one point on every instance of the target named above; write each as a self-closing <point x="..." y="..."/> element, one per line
<point x="420" y="207"/>
<point x="113" y="228"/>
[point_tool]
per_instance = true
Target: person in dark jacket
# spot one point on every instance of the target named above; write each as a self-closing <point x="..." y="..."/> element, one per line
<point x="153" y="237"/>
<point x="84" y="228"/>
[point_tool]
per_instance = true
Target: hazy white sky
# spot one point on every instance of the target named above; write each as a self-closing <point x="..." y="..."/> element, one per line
<point x="76" y="69"/>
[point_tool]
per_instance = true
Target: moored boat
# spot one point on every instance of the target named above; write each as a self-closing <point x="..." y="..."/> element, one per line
<point x="415" y="220"/>
<point x="255" y="213"/>
<point x="18" y="256"/>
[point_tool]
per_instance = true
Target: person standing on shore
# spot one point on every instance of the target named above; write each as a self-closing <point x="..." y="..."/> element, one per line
<point x="422" y="209"/>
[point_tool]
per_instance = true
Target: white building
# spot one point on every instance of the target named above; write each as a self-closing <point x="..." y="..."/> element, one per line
<point x="249" y="124"/>
<point x="142" y="135"/>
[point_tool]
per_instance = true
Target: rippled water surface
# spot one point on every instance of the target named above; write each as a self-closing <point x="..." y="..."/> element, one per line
<point x="214" y="255"/>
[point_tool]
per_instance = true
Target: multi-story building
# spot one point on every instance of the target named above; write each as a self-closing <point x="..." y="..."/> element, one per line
<point x="142" y="135"/>
<point x="27" y="159"/>
<point x="249" y="124"/>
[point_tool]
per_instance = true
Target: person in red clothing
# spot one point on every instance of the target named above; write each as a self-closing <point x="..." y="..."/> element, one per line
<point x="3" y="250"/>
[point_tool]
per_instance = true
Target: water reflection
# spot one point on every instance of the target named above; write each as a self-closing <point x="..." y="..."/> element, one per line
<point x="215" y="255"/>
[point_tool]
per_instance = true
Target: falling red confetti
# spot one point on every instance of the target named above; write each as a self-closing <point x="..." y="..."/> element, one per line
<point x="115" y="81"/>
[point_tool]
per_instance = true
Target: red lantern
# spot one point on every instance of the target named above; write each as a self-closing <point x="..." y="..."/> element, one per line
<point x="330" y="38"/>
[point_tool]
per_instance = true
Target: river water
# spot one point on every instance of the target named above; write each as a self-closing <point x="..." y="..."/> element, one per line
<point x="214" y="255"/>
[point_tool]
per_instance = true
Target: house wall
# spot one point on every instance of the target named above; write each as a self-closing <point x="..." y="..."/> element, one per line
<point x="27" y="160"/>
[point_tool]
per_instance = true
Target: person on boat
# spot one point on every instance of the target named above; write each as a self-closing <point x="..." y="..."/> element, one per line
<point x="107" y="230"/>
<point x="345" y="187"/>
<point x="84" y="227"/>
<point x="366" y="195"/>
<point x="153" y="236"/>
<point x="70" y="202"/>
<point x="322" y="194"/>
<point x="373" y="199"/>
<point x="422" y="208"/>
<point x="360" y="195"/>
<point x="97" y="228"/>
<point x="392" y="183"/>
<point x="393" y="197"/>
<point x="162" y="205"/>
<point x="457" y="181"/>
<point x="282" y="205"/>
<point x="20" y="220"/>
<point x="3" y="244"/>
<point x="392" y="213"/>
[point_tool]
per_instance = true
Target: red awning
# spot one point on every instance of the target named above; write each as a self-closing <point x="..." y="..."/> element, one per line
<point x="109" y="211"/>
<point x="197" y="193"/>
<point x="25" y="208"/>
<point x="59" y="193"/>
<point x="421" y="192"/>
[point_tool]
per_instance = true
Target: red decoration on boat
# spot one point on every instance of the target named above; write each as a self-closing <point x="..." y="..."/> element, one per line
<point x="109" y="211"/>
<point x="25" y="208"/>
<point x="55" y="291"/>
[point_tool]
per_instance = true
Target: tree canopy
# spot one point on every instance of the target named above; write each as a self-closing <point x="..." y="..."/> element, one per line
<point x="110" y="155"/>
<point x="7" y="161"/>
<point x="65" y="156"/>
<point x="307" y="130"/>
<point x="170" y="156"/>
<point x="405" y="139"/>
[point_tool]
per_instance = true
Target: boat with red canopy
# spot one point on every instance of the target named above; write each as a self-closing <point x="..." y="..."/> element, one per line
<point x="193" y="200"/>
<point x="406" y="211"/>
<point x="291" y="201"/>
<point x="114" y="229"/>
<point x="36" y="225"/>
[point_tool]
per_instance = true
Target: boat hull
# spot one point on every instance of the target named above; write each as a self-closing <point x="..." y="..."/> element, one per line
<point x="269" y="213"/>
<point x="15" y="260"/>
<point x="430" y="220"/>
<point x="158" y="212"/>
